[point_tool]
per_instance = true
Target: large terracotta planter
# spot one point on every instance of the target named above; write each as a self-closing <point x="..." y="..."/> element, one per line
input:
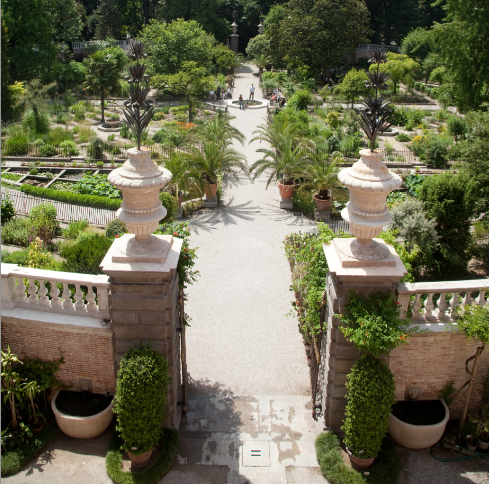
<point x="83" y="427"/>
<point x="417" y="436"/>
<point x="323" y="205"/>
<point x="285" y="191"/>
<point x="210" y="190"/>
<point x="358" y="463"/>
<point x="140" y="460"/>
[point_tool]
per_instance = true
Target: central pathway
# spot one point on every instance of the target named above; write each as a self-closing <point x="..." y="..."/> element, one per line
<point x="246" y="360"/>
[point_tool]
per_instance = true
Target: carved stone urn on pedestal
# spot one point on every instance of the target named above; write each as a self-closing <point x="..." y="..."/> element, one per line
<point x="369" y="182"/>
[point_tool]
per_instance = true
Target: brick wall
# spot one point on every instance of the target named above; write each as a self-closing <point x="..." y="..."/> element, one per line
<point x="430" y="360"/>
<point x="88" y="352"/>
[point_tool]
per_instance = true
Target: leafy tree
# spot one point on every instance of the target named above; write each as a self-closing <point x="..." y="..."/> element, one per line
<point x="456" y="127"/>
<point x="449" y="199"/>
<point x="102" y="75"/>
<point x="464" y="46"/>
<point x="391" y="20"/>
<point x="169" y="46"/>
<point x="438" y="74"/>
<point x="108" y="18"/>
<point x="71" y="75"/>
<point x="276" y="51"/>
<point x="191" y="82"/>
<point x="320" y="33"/>
<point x="224" y="58"/>
<point x="6" y="95"/>
<point x="353" y="85"/>
<point x="397" y="66"/>
<point x="417" y="44"/>
<point x="65" y="20"/>
<point x="258" y="46"/>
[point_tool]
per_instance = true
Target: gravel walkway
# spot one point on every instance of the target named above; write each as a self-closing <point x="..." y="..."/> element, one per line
<point x="241" y="340"/>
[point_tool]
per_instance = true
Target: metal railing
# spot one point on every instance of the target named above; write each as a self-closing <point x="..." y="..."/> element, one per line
<point x="437" y="302"/>
<point x="56" y="292"/>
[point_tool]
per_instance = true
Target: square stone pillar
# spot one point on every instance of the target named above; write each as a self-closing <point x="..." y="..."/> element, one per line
<point x="143" y="304"/>
<point x="337" y="354"/>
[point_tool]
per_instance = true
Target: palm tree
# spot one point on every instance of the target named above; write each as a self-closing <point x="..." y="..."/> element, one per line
<point x="219" y="128"/>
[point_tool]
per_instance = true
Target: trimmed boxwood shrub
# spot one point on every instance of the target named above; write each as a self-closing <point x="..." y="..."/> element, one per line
<point x="171" y="205"/>
<point x="140" y="399"/>
<point x="369" y="399"/>
<point x="115" y="227"/>
<point x="73" y="198"/>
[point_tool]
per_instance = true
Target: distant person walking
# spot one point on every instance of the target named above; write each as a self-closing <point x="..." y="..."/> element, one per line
<point x="218" y="93"/>
<point x="241" y="104"/>
<point x="252" y="92"/>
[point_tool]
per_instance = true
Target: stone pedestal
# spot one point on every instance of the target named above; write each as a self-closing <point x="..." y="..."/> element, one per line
<point x="337" y="354"/>
<point x="210" y="202"/>
<point x="233" y="42"/>
<point x="286" y="204"/>
<point x="143" y="304"/>
<point x="322" y="215"/>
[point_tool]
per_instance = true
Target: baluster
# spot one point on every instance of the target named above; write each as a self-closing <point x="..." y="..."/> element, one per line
<point x="466" y="299"/>
<point x="428" y="306"/>
<point x="43" y="293"/>
<point x="79" y="304"/>
<point x="67" y="304"/>
<point x="417" y="306"/>
<point x="91" y="306"/>
<point x="481" y="301"/>
<point x="403" y="301"/>
<point x="54" y="293"/>
<point x="440" y="311"/>
<point x="20" y="290"/>
<point x="32" y="291"/>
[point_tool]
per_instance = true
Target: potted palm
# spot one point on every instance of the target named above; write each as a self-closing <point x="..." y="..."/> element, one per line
<point x="321" y="176"/>
<point x="287" y="156"/>
<point x="140" y="402"/>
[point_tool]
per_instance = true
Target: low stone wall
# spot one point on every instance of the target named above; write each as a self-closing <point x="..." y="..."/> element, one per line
<point x="432" y="359"/>
<point x="85" y="344"/>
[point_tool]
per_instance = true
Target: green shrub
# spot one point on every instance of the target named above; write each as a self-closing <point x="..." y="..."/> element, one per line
<point x="96" y="149"/>
<point x="169" y="438"/>
<point x="57" y="135"/>
<point x="449" y="199"/>
<point x="403" y="137"/>
<point x="68" y="148"/>
<point x="38" y="123"/>
<point x="457" y="127"/>
<point x="74" y="198"/>
<point x="141" y="384"/>
<point x="124" y="131"/>
<point x="74" y="229"/>
<point x="370" y="396"/>
<point x="20" y="257"/>
<point x="62" y="118"/>
<point x="85" y="253"/>
<point x="158" y="116"/>
<point x="85" y="134"/>
<point x="115" y="227"/>
<point x="111" y="137"/>
<point x="91" y="184"/>
<point x="47" y="150"/>
<point x="8" y="210"/>
<point x="171" y="205"/>
<point x="436" y="153"/>
<point x="400" y="116"/>
<point x="79" y="116"/>
<point x="17" y="231"/>
<point x="300" y="100"/>
<point x="16" y="144"/>
<point x="43" y="221"/>
<point x="38" y="142"/>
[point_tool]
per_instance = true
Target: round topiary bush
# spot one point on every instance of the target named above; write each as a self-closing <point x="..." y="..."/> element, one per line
<point x="171" y="205"/>
<point x="69" y="148"/>
<point x="140" y="399"/>
<point x="370" y="397"/>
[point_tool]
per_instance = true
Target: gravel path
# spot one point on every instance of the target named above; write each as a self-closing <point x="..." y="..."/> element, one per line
<point x="240" y="339"/>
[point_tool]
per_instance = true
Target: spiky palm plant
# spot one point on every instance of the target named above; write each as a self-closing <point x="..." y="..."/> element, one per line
<point x="219" y="128"/>
<point x="321" y="173"/>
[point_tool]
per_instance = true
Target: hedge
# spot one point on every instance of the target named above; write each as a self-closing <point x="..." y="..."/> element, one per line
<point x="73" y="198"/>
<point x="13" y="461"/>
<point x="169" y="442"/>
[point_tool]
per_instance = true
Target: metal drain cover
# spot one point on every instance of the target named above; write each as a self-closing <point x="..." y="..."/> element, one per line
<point x="256" y="454"/>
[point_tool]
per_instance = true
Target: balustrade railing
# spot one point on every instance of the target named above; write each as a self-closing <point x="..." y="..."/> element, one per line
<point x="393" y="48"/>
<point x="437" y="302"/>
<point x="58" y="292"/>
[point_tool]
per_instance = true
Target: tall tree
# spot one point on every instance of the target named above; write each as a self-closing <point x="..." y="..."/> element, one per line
<point x="397" y="66"/>
<point x="5" y="93"/>
<point x="102" y="76"/>
<point x="321" y="33"/>
<point x="108" y="19"/>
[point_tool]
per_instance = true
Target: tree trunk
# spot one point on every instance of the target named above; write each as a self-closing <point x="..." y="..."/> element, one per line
<point x="14" y="413"/>
<point x="395" y="87"/>
<point x="189" y="111"/>
<point x="146" y="11"/>
<point x="102" y="92"/>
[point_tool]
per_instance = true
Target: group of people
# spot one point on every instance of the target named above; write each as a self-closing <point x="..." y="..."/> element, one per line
<point x="276" y="96"/>
<point x="216" y="96"/>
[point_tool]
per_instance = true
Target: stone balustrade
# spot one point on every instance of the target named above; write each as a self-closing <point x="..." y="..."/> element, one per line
<point x="83" y="45"/>
<point x="392" y="48"/>
<point x="435" y="303"/>
<point x="41" y="293"/>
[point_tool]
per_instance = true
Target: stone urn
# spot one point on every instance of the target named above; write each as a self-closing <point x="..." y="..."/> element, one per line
<point x="369" y="182"/>
<point x="140" y="180"/>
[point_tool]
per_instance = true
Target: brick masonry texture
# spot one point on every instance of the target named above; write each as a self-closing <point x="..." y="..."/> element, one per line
<point x="87" y="356"/>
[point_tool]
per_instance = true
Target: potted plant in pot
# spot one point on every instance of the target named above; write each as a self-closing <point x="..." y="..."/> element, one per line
<point x="321" y="176"/>
<point x="140" y="401"/>
<point x="372" y="324"/>
<point x="287" y="158"/>
<point x="32" y="389"/>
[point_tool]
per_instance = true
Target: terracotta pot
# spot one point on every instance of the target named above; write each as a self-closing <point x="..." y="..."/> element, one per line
<point x="285" y="191"/>
<point x="323" y="205"/>
<point x="484" y="445"/>
<point x="37" y="427"/>
<point x="210" y="190"/>
<point x="470" y="446"/>
<point x="140" y="460"/>
<point x="358" y="463"/>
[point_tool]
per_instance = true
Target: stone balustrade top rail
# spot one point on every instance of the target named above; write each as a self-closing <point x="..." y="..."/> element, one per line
<point x="39" y="290"/>
<point x="392" y="48"/>
<point x="435" y="303"/>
